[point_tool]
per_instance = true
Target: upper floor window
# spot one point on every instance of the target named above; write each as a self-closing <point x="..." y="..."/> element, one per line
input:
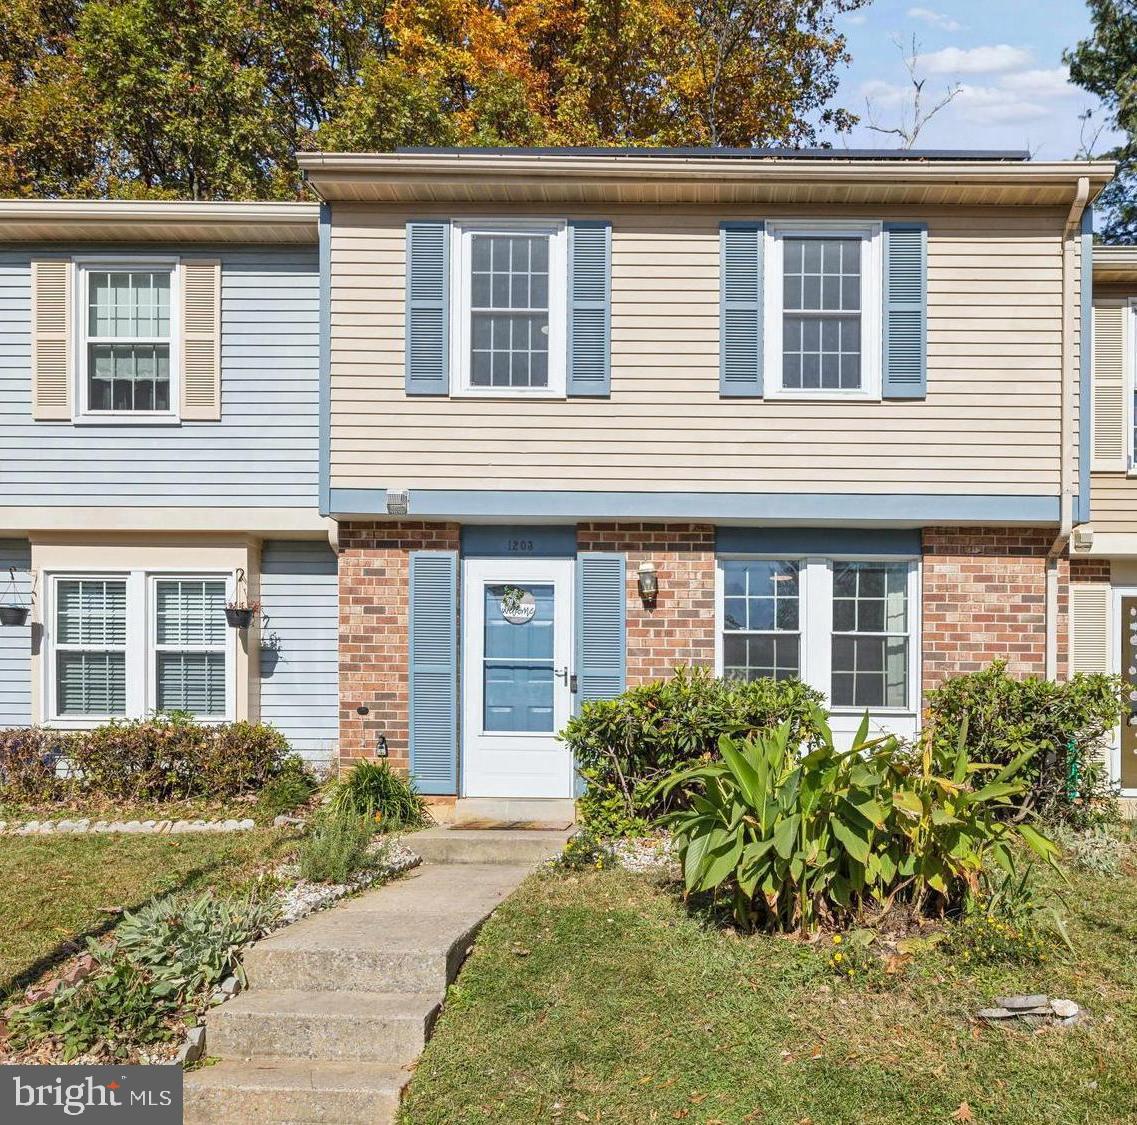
<point x="127" y="337"/>
<point x="822" y="283"/>
<point x="508" y="302"/>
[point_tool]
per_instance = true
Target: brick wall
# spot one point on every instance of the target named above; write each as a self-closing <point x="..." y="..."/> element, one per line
<point x="1090" y="570"/>
<point x="680" y="627"/>
<point x="984" y="599"/>
<point x="374" y="581"/>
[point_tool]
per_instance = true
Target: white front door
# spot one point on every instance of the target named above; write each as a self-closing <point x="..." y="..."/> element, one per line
<point x="517" y="668"/>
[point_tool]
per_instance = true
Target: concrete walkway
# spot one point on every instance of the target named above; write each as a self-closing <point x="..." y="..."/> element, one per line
<point x="342" y="1002"/>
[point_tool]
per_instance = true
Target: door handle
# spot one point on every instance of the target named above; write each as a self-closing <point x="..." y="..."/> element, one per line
<point x="568" y="678"/>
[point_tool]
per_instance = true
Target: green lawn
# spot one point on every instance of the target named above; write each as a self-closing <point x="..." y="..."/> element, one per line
<point x="54" y="889"/>
<point x="595" y="997"/>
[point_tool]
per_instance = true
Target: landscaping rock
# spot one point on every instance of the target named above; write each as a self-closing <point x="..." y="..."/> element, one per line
<point x="1022" y="1003"/>
<point x="996" y="1014"/>
<point x="286" y="821"/>
<point x="231" y="986"/>
<point x="1064" y="1008"/>
<point x="193" y="1047"/>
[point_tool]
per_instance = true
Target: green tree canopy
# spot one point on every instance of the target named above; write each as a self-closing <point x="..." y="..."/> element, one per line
<point x="211" y="99"/>
<point x="1105" y="64"/>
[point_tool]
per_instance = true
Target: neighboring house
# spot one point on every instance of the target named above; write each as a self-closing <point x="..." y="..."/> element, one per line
<point x="833" y="405"/>
<point x="1104" y="553"/>
<point x="159" y="371"/>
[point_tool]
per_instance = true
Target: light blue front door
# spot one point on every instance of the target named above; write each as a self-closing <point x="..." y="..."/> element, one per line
<point x="516" y="677"/>
<point x="517" y="669"/>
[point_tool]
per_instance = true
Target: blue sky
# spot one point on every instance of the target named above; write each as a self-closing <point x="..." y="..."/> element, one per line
<point x="1004" y="55"/>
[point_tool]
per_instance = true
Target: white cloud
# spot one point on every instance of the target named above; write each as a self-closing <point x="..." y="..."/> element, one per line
<point x="856" y="18"/>
<point x="975" y="60"/>
<point x="1051" y="83"/>
<point x="935" y="19"/>
<point x="995" y="105"/>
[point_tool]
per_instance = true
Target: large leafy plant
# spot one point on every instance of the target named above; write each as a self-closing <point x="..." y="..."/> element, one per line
<point x="797" y="836"/>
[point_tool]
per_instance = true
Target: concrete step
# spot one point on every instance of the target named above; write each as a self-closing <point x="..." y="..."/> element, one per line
<point x="513" y="813"/>
<point x="411" y="936"/>
<point x="383" y="1027"/>
<point x="514" y="847"/>
<point x="290" y="1091"/>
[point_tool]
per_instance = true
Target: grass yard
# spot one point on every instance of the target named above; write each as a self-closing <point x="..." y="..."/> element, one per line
<point x="595" y="997"/>
<point x="55" y="889"/>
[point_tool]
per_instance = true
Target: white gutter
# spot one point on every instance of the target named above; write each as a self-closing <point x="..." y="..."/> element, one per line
<point x="1066" y="460"/>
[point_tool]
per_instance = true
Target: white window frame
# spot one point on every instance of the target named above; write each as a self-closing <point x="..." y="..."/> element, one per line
<point x="1129" y="359"/>
<point x="83" y="414"/>
<point x="872" y="290"/>
<point x="815" y="625"/>
<point x="461" y="234"/>
<point x="141" y="658"/>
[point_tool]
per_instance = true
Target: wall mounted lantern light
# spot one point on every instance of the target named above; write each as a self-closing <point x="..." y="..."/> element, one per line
<point x="647" y="581"/>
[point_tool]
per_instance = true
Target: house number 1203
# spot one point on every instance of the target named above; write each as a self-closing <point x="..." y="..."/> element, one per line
<point x="521" y="546"/>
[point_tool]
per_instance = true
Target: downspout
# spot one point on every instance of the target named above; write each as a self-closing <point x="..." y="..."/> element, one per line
<point x="1058" y="548"/>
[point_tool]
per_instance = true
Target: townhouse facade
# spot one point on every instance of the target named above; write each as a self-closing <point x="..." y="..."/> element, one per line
<point x="159" y="384"/>
<point x="489" y="434"/>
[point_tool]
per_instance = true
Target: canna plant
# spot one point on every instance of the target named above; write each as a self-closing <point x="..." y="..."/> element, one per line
<point x="799" y="838"/>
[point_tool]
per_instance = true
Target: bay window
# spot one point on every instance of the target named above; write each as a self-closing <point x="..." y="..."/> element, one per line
<point x="847" y="627"/>
<point x="128" y="644"/>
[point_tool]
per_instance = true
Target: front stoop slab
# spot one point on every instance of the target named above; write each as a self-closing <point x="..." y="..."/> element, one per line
<point x="342" y="1002"/>
<point x="276" y="1091"/>
<point x="511" y="812"/>
<point x="488" y="845"/>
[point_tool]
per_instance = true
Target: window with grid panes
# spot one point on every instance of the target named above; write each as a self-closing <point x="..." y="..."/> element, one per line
<point x="761" y="620"/>
<point x="870" y="634"/>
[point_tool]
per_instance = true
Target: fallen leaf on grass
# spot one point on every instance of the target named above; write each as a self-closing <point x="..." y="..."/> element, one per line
<point x="963" y="1113"/>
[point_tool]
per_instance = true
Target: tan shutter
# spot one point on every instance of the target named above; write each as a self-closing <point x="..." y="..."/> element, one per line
<point x="1110" y="438"/>
<point x="51" y="340"/>
<point x="1089" y="627"/>
<point x="201" y="340"/>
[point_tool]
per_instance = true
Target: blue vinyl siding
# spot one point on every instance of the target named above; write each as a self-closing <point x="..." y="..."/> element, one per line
<point x="299" y="653"/>
<point x="15" y="643"/>
<point x="263" y="452"/>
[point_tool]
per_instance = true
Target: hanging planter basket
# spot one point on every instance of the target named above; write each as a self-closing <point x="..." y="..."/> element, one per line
<point x="240" y="617"/>
<point x="12" y="613"/>
<point x="15" y="615"/>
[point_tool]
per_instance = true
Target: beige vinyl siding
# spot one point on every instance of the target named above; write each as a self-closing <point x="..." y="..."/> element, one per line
<point x="990" y="423"/>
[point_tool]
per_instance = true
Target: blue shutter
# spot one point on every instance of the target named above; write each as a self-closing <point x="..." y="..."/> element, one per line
<point x="600" y="644"/>
<point x="428" y="309"/>
<point x="740" y="309"/>
<point x="433" y="688"/>
<point x="589" y="308"/>
<point x="905" y="310"/>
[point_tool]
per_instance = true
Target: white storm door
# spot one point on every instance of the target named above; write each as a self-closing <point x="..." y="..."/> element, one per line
<point x="517" y="668"/>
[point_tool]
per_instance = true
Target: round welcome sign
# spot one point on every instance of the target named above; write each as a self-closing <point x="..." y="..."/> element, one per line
<point x="517" y="606"/>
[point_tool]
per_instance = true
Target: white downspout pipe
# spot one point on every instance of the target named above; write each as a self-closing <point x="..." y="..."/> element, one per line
<point x="1066" y="425"/>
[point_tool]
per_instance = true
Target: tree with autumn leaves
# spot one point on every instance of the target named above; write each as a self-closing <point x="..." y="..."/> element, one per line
<point x="211" y="99"/>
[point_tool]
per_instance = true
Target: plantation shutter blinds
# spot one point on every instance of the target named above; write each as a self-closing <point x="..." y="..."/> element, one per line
<point x="201" y="340"/>
<point x="1089" y="627"/>
<point x="90" y="646"/>
<point x="905" y="310"/>
<point x="51" y="340"/>
<point x="190" y="641"/>
<point x="433" y="687"/>
<point x="427" y="365"/>
<point x="740" y="309"/>
<point x="600" y="626"/>
<point x="590" y="308"/>
<point x="1110" y="438"/>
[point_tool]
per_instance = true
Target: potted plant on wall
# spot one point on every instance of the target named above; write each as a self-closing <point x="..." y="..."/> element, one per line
<point x="13" y="610"/>
<point x="240" y="612"/>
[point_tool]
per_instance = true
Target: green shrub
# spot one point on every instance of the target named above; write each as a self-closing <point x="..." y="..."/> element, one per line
<point x="337" y="847"/>
<point x="166" y="960"/>
<point x="623" y="746"/>
<point x="290" y="789"/>
<point x="373" y="790"/>
<point x="1070" y="724"/>
<point x="28" y="757"/>
<point x="796" y="839"/>
<point x="164" y="758"/>
<point x="1002" y="922"/>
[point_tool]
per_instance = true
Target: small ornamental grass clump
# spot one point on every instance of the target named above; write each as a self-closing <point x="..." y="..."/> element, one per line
<point x="798" y="837"/>
<point x="373" y="790"/>
<point x="337" y="847"/>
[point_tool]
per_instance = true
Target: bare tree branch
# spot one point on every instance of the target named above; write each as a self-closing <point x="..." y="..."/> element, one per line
<point x="915" y="116"/>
